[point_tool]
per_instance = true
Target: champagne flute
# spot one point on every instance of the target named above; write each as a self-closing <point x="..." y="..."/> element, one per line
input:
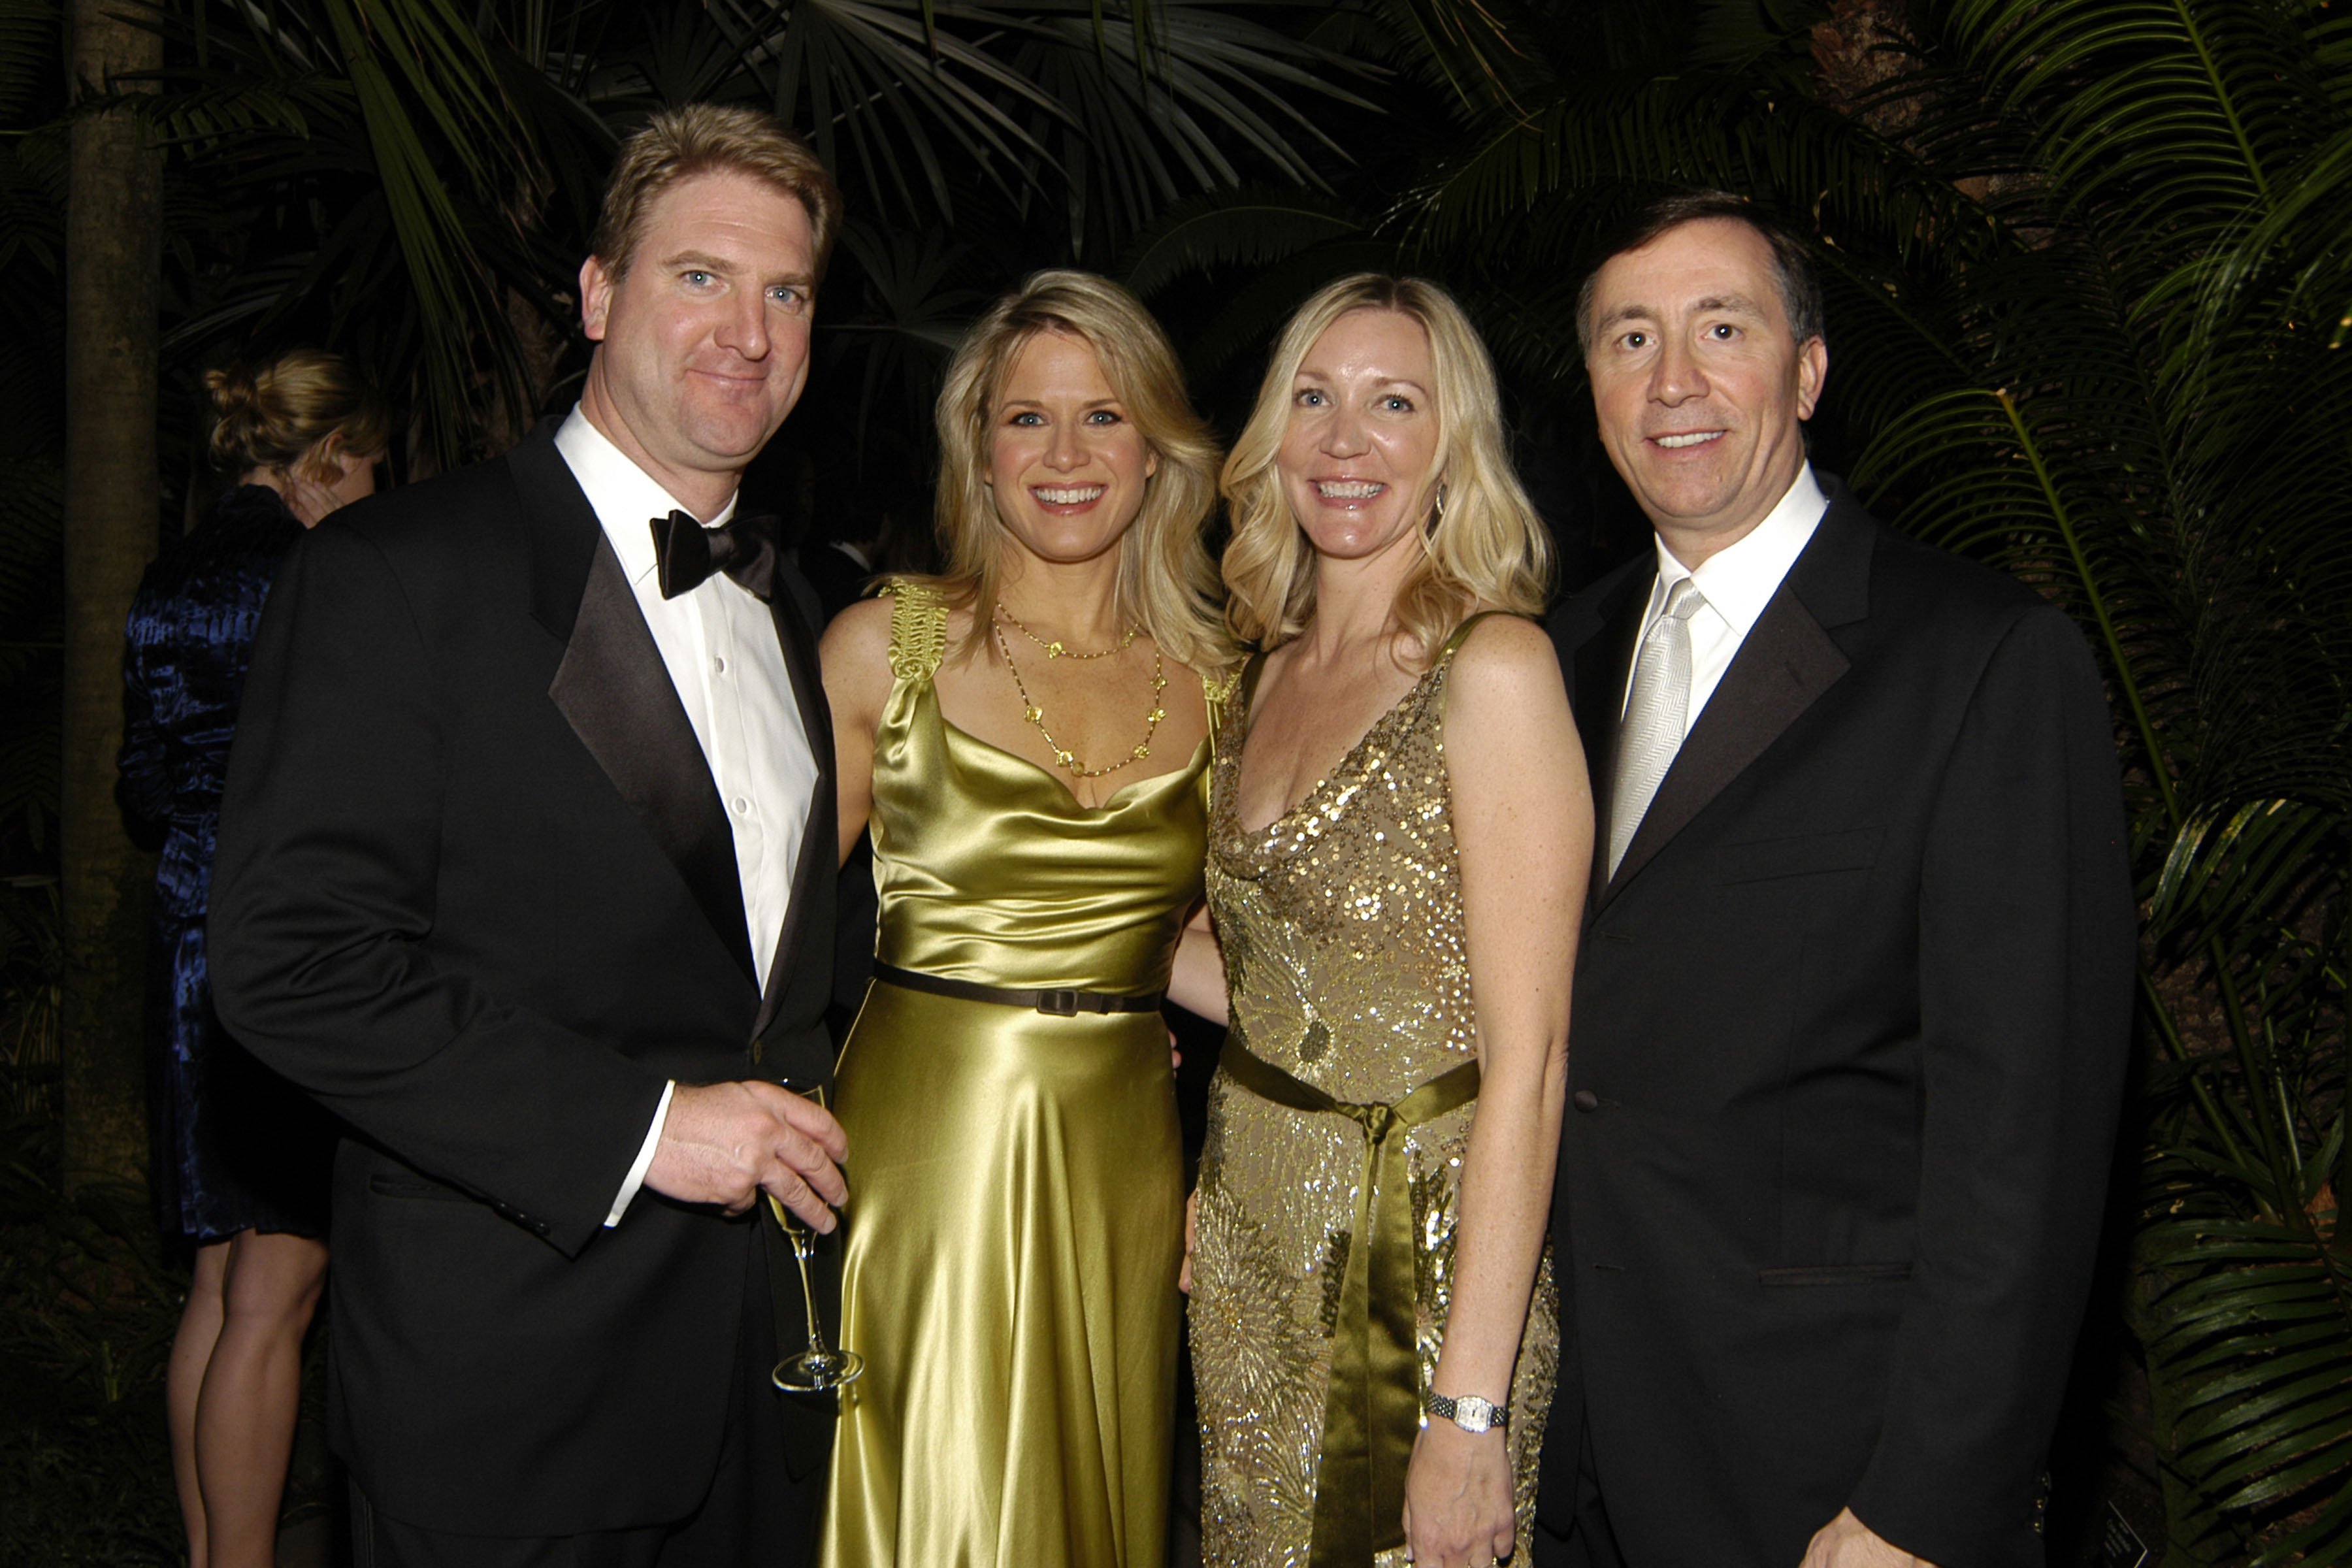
<point x="820" y="1367"/>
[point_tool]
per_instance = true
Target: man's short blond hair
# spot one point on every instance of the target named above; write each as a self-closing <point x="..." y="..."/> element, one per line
<point x="677" y="144"/>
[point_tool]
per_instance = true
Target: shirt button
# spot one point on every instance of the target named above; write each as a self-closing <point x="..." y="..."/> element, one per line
<point x="1584" y="1099"/>
<point x="718" y="663"/>
<point x="742" y="806"/>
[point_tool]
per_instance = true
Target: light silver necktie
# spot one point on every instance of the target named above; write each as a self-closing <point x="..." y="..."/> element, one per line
<point x="1655" y="714"/>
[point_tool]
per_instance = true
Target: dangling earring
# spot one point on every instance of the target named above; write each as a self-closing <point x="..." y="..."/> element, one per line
<point x="1437" y="517"/>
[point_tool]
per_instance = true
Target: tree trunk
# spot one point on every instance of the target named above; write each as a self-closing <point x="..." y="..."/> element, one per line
<point x="114" y="206"/>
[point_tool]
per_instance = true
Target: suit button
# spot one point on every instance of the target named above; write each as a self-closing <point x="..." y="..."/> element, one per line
<point x="1584" y="1099"/>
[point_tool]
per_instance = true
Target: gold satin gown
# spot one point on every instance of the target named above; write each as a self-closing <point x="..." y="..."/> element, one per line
<point x="1341" y="923"/>
<point x="1016" y="1217"/>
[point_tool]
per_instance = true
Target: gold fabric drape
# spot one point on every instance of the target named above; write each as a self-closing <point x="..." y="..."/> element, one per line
<point x="1372" y="1408"/>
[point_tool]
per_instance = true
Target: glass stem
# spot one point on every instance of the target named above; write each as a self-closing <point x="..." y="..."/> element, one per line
<point x="808" y="1297"/>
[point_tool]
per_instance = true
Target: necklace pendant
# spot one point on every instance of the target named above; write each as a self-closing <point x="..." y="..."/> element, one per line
<point x="1054" y="649"/>
<point x="1066" y="759"/>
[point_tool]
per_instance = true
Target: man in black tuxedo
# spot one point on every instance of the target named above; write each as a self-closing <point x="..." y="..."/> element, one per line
<point x="526" y="870"/>
<point x="1852" y="998"/>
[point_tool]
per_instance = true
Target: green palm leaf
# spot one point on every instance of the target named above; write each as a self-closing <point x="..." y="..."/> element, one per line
<point x="1249" y="228"/>
<point x="1208" y="88"/>
<point x="917" y="308"/>
<point x="29" y="36"/>
<point x="2260" y="1335"/>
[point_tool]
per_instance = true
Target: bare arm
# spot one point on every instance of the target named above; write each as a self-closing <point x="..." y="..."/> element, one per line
<point x="1523" y="833"/>
<point x="856" y="658"/>
<point x="1197" y="982"/>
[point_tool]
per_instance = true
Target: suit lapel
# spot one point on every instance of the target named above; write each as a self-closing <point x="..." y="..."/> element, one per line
<point x="1787" y="661"/>
<point x="615" y="691"/>
<point x="820" y="848"/>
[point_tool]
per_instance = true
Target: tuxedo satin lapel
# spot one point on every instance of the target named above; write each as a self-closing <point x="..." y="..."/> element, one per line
<point x="616" y="694"/>
<point x="820" y="846"/>
<point x="1602" y="664"/>
<point x="1786" y="663"/>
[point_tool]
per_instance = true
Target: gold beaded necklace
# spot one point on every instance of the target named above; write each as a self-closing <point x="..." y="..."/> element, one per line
<point x="1036" y="715"/>
<point x="1055" y="650"/>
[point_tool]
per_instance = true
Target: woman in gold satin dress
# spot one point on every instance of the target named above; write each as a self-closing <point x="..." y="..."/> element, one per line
<point x="1028" y="736"/>
<point x="1398" y="843"/>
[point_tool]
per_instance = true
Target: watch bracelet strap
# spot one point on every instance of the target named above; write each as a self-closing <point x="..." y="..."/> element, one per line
<point x="1446" y="1407"/>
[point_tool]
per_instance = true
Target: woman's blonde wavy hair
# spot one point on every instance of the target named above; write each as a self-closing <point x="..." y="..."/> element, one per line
<point x="1485" y="546"/>
<point x="1167" y="584"/>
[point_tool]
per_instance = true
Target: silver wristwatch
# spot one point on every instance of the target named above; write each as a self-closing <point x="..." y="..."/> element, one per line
<point x="1469" y="1412"/>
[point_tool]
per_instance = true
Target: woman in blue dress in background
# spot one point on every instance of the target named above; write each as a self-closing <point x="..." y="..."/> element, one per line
<point x="241" y="1157"/>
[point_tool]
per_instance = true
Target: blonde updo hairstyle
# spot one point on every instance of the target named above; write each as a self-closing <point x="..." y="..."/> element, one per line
<point x="1167" y="584"/>
<point x="270" y="416"/>
<point x="1482" y="546"/>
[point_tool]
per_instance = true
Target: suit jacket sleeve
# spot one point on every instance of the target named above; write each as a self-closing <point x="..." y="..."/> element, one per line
<point x="324" y="901"/>
<point x="2027" y="948"/>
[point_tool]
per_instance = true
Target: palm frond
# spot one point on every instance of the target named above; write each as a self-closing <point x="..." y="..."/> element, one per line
<point x="32" y="200"/>
<point x="1611" y="139"/>
<point x="1209" y="93"/>
<point x="30" y="36"/>
<point x="2242" y="872"/>
<point x="1246" y="228"/>
<point x="906" y="94"/>
<point x="917" y="308"/>
<point x="31" y="514"/>
<point x="2259" y="1338"/>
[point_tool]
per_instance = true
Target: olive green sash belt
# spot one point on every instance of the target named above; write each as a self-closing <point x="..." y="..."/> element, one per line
<point x="1372" y="1410"/>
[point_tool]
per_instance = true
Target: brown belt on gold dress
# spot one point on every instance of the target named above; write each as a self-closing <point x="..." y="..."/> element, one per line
<point x="1060" y="1003"/>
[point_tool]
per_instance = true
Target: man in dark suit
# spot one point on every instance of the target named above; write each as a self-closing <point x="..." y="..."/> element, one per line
<point x="526" y="870"/>
<point x="1853" y="997"/>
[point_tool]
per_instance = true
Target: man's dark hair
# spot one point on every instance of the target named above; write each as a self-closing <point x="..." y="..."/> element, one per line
<point x="1793" y="264"/>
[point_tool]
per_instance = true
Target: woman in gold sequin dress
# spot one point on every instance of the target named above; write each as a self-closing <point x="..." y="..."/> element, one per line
<point x="1399" y="835"/>
<point x="1028" y="737"/>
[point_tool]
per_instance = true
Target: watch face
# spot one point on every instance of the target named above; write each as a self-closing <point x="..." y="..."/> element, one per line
<point x="1468" y="1411"/>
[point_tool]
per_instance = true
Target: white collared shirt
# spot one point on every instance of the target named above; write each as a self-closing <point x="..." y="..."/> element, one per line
<point x="718" y="642"/>
<point x="1737" y="582"/>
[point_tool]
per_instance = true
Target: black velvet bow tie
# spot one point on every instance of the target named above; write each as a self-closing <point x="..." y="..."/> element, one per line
<point x="687" y="553"/>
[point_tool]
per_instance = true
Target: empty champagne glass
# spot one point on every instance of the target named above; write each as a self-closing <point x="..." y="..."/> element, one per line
<point x="819" y="1367"/>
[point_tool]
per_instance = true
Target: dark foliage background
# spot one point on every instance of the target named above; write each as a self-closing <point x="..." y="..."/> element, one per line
<point x="2089" y="299"/>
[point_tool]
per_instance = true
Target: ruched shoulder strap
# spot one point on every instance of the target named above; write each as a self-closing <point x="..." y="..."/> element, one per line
<point x="918" y="629"/>
<point x="1218" y="691"/>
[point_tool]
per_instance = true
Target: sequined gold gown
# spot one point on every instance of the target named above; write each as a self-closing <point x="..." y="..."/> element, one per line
<point x="1015" y="1223"/>
<point x="1341" y="923"/>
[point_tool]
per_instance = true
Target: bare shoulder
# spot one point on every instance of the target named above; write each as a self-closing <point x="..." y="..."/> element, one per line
<point x="1505" y="655"/>
<point x="1506" y="705"/>
<point x="856" y="658"/>
<point x="859" y="635"/>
